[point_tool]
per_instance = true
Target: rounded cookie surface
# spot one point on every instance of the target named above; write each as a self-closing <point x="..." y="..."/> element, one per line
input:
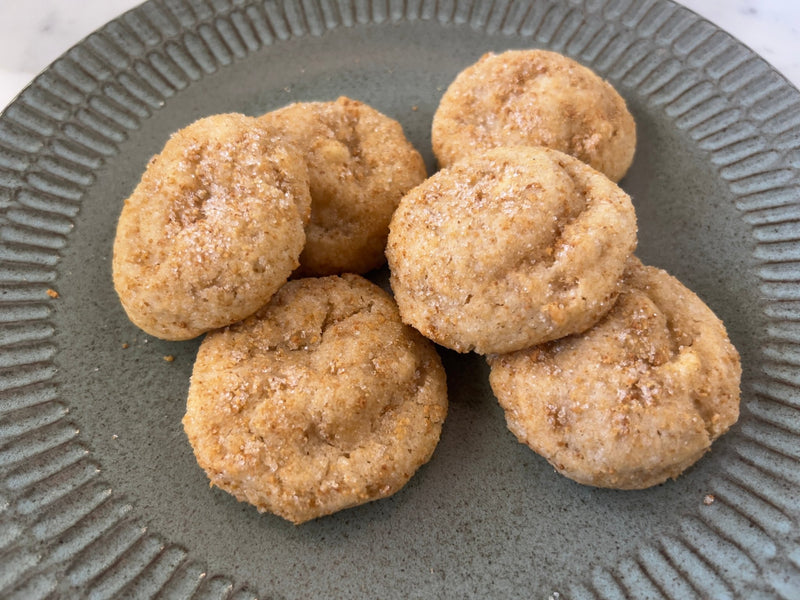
<point x="321" y="401"/>
<point x="534" y="98"/>
<point x="213" y="229"/>
<point x="509" y="248"/>
<point x="635" y="400"/>
<point x="360" y="164"/>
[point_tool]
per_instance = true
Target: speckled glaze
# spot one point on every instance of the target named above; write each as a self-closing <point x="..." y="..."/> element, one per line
<point x="99" y="493"/>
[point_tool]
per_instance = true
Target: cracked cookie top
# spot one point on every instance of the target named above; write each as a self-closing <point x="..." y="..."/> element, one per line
<point x="636" y="399"/>
<point x="509" y="248"/>
<point x="213" y="229"/>
<point x="320" y="401"/>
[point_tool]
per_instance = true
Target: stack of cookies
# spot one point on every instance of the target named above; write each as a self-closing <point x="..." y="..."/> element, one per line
<point x="314" y="390"/>
<point x="521" y="249"/>
<point x="310" y="396"/>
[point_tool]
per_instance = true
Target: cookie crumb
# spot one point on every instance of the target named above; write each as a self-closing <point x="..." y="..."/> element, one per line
<point x="52" y="293"/>
<point x="415" y="108"/>
<point x="169" y="358"/>
<point x="708" y="499"/>
<point x="125" y="345"/>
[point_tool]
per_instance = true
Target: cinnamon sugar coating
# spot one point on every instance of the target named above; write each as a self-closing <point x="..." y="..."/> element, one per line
<point x="635" y="400"/>
<point x="535" y="98"/>
<point x="359" y="165"/>
<point x="321" y="401"/>
<point x="509" y="248"/>
<point x="213" y="229"/>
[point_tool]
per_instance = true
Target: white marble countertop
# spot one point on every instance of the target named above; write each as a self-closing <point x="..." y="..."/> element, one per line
<point x="33" y="33"/>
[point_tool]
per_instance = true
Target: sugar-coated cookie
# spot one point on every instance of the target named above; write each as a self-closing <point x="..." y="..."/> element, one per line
<point x="320" y="401"/>
<point x="359" y="164"/>
<point x="509" y="248"/>
<point x="535" y="98"/>
<point x="636" y="399"/>
<point x="213" y="229"/>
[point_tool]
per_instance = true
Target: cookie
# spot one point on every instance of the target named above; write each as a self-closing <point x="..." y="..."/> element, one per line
<point x="635" y="400"/>
<point x="214" y="228"/>
<point x="321" y="401"/>
<point x="360" y="164"/>
<point x="534" y="98"/>
<point x="509" y="248"/>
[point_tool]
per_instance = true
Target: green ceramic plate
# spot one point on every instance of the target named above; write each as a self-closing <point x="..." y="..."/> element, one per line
<point x="100" y="496"/>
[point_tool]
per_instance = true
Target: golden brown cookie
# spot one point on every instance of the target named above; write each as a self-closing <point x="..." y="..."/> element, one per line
<point x="535" y="98"/>
<point x="509" y="248"/>
<point x="321" y="401"/>
<point x="635" y="400"/>
<point x="213" y="229"/>
<point x="359" y="164"/>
